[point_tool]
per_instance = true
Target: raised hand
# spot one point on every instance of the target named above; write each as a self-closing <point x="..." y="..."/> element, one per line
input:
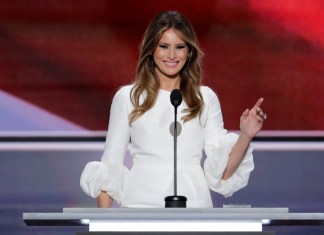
<point x="252" y="120"/>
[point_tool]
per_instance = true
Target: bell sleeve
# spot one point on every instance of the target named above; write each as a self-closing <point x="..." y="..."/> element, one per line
<point x="218" y="145"/>
<point x="109" y="174"/>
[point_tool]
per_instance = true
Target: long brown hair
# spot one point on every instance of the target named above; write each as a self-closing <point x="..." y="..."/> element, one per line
<point x="146" y="81"/>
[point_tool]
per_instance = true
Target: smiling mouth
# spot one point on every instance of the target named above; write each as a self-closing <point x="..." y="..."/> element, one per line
<point x="171" y="64"/>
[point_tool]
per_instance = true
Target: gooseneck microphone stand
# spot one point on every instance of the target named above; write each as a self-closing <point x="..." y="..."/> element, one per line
<point x="176" y="200"/>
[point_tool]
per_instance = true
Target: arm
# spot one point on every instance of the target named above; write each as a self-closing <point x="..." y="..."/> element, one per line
<point x="108" y="175"/>
<point x="229" y="159"/>
<point x="250" y="124"/>
<point x="104" y="200"/>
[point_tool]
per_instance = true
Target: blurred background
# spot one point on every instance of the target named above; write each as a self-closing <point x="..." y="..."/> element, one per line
<point x="61" y="62"/>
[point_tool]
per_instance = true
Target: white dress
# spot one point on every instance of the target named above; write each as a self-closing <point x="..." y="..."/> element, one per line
<point x="150" y="179"/>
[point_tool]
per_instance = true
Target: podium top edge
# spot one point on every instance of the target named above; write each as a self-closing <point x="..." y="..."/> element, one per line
<point x="177" y="210"/>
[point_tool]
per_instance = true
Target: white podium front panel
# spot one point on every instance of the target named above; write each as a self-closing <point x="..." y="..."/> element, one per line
<point x="177" y="226"/>
<point x="175" y="219"/>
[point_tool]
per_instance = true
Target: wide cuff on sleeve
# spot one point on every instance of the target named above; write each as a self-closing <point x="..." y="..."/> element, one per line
<point x="97" y="177"/>
<point x="216" y="162"/>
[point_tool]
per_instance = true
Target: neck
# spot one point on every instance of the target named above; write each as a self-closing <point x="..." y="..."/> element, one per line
<point x="170" y="84"/>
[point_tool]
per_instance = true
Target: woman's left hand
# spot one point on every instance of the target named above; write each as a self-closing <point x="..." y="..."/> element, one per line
<point x="252" y="120"/>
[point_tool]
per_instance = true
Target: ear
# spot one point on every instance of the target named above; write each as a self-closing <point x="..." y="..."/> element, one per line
<point x="189" y="54"/>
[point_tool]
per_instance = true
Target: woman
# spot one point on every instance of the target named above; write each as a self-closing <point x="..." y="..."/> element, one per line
<point x="169" y="59"/>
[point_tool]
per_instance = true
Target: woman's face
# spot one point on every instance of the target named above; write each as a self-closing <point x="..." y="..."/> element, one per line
<point x="170" y="55"/>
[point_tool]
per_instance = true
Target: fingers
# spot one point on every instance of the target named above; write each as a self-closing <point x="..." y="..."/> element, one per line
<point x="258" y="103"/>
<point x="245" y="113"/>
<point x="258" y="109"/>
<point x="262" y="114"/>
<point x="260" y="119"/>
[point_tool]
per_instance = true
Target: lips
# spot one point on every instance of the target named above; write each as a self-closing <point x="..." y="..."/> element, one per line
<point x="171" y="63"/>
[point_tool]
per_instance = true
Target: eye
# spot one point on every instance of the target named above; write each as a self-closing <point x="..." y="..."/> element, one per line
<point x="181" y="46"/>
<point x="163" y="46"/>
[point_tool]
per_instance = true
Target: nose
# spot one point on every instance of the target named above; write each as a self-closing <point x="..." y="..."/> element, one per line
<point x="172" y="53"/>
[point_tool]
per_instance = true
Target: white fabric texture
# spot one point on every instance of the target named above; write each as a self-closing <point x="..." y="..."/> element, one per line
<point x="150" y="179"/>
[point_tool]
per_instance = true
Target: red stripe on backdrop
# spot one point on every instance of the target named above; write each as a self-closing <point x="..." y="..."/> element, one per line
<point x="70" y="58"/>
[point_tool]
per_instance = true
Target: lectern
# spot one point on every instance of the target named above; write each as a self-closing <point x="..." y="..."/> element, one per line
<point x="174" y="220"/>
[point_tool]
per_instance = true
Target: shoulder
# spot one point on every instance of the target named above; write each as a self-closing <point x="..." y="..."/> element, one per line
<point x="206" y="90"/>
<point x="123" y="95"/>
<point x="208" y="94"/>
<point x="124" y="90"/>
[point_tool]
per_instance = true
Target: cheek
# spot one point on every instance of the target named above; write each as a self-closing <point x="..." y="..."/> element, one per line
<point x="157" y="54"/>
<point x="184" y="58"/>
<point x="183" y="55"/>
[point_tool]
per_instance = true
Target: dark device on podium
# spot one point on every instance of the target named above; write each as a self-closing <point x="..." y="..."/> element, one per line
<point x="175" y="200"/>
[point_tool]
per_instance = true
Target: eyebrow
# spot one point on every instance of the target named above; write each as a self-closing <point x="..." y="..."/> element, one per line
<point x="179" y="44"/>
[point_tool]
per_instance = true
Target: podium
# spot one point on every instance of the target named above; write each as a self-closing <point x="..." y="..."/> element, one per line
<point x="174" y="220"/>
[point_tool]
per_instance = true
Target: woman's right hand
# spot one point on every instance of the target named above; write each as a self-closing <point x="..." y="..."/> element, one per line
<point x="104" y="200"/>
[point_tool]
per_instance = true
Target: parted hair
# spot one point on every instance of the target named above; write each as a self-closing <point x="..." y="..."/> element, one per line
<point x="146" y="80"/>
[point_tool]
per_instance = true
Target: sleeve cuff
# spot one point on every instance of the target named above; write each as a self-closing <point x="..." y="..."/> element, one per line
<point x="216" y="163"/>
<point x="97" y="177"/>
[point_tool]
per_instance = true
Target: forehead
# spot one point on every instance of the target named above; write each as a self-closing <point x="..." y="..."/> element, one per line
<point x="171" y="36"/>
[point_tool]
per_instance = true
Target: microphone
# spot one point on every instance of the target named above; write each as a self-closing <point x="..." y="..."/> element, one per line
<point x="176" y="98"/>
<point x="175" y="201"/>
